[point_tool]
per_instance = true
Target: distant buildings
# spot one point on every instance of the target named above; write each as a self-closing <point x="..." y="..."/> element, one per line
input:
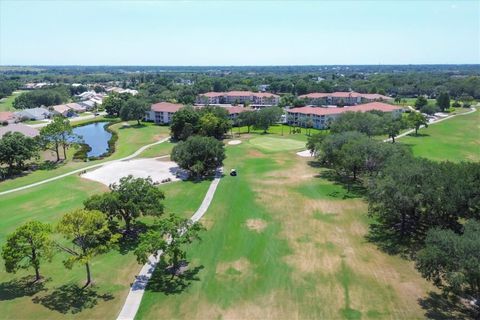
<point x="19" y="127"/>
<point x="69" y="109"/>
<point x="162" y="112"/>
<point x="322" y="117"/>
<point x="342" y="98"/>
<point x="121" y="90"/>
<point x="6" y="117"/>
<point x="33" y="114"/>
<point x="255" y="99"/>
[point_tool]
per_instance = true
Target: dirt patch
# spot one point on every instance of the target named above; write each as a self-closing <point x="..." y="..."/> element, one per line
<point x="256" y="224"/>
<point x="236" y="269"/>
<point x="255" y="153"/>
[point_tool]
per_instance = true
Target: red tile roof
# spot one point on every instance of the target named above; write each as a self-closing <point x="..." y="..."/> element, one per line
<point x="339" y="94"/>
<point x="166" y="107"/>
<point x="6" y="116"/>
<point x="239" y="94"/>
<point x="329" y="111"/>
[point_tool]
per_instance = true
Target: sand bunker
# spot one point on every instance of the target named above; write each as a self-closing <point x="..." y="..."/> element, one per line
<point x="140" y="168"/>
<point x="256" y="224"/>
<point x="234" y="142"/>
<point x="305" y="154"/>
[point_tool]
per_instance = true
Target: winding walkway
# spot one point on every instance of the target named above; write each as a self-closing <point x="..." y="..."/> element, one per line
<point x="472" y="110"/>
<point x="135" y="295"/>
<point x="133" y="155"/>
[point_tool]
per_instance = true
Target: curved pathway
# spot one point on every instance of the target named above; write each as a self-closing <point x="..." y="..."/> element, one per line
<point x="472" y="110"/>
<point x="134" y="298"/>
<point x="133" y="155"/>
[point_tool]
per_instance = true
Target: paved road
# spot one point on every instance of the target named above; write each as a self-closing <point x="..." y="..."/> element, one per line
<point x="74" y="119"/>
<point x="133" y="155"/>
<point x="134" y="298"/>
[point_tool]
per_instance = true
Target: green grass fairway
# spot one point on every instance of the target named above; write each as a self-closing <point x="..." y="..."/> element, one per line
<point x="456" y="139"/>
<point x="283" y="243"/>
<point x="59" y="297"/>
<point x="276" y="144"/>
<point x="7" y="103"/>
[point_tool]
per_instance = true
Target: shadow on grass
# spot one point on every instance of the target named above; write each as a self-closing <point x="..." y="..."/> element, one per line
<point x="163" y="280"/>
<point x="355" y="188"/>
<point x="419" y="135"/>
<point x="71" y="298"/>
<point x="442" y="306"/>
<point x="388" y="242"/>
<point x="21" y="287"/>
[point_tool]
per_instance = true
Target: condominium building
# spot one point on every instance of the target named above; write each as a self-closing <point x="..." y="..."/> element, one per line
<point x="162" y="112"/>
<point x="239" y="97"/>
<point x="342" y="98"/>
<point x="322" y="117"/>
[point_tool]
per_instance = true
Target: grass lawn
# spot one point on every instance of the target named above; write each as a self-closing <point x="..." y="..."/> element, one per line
<point x="284" y="242"/>
<point x="60" y="297"/>
<point x="6" y="104"/>
<point x="130" y="139"/>
<point x="269" y="143"/>
<point x="456" y="139"/>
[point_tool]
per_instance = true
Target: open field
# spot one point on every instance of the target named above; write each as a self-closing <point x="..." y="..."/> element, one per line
<point x="60" y="296"/>
<point x="7" y="103"/>
<point x="130" y="139"/>
<point x="456" y="139"/>
<point x="285" y="243"/>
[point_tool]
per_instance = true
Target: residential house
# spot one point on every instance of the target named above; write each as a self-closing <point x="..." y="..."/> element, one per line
<point x="33" y="114"/>
<point x="7" y="117"/>
<point x="76" y="107"/>
<point x="19" y="127"/>
<point x="234" y="112"/>
<point x="239" y="97"/>
<point x="322" y="117"/>
<point x="63" y="110"/>
<point x="121" y="90"/>
<point x="342" y="98"/>
<point x="162" y="112"/>
<point x="86" y="95"/>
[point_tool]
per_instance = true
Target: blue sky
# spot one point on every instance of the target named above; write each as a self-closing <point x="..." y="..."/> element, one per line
<point x="238" y="32"/>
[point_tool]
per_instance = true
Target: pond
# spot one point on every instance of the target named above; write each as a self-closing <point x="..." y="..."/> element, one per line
<point x="95" y="136"/>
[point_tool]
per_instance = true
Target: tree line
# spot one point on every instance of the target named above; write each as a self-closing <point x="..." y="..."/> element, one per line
<point x="425" y="210"/>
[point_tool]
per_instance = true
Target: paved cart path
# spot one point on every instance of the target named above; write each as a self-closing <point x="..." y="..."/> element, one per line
<point x="134" y="298"/>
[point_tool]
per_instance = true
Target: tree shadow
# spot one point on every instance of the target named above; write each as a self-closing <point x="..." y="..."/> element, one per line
<point x="419" y="135"/>
<point x="386" y="241"/>
<point x="21" y="287"/>
<point x="164" y="281"/>
<point x="355" y="188"/>
<point x="71" y="298"/>
<point x="443" y="307"/>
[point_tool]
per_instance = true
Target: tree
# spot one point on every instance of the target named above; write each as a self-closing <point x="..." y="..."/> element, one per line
<point x="452" y="261"/>
<point x="90" y="236"/>
<point x="266" y="117"/>
<point x="114" y="102"/>
<point x="128" y="200"/>
<point x="184" y="123"/>
<point x="27" y="247"/>
<point x="368" y="123"/>
<point x="443" y="101"/>
<point x="16" y="149"/>
<point x="429" y="109"/>
<point x="171" y="235"/>
<point x="56" y="134"/>
<point x="392" y="126"/>
<point x="133" y="109"/>
<point x="199" y="155"/>
<point x="416" y="120"/>
<point x="247" y="118"/>
<point x="213" y="122"/>
<point x="420" y="102"/>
